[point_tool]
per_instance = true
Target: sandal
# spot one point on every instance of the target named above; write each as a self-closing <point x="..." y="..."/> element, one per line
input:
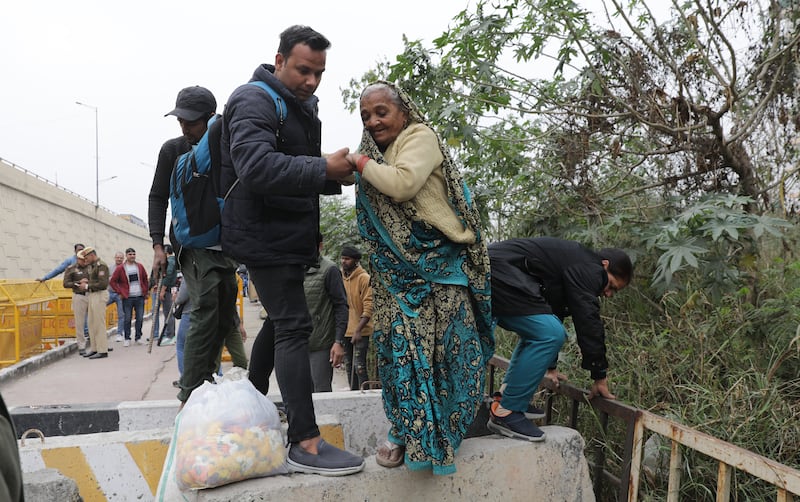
<point x="390" y="454"/>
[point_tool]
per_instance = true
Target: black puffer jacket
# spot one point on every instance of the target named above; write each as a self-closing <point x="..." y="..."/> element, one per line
<point x="271" y="215"/>
<point x="546" y="275"/>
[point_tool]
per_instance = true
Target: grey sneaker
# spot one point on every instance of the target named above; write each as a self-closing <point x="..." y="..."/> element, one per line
<point x="330" y="461"/>
<point x="515" y="425"/>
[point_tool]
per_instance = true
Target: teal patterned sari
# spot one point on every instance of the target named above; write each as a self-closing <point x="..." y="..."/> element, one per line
<point x="433" y="331"/>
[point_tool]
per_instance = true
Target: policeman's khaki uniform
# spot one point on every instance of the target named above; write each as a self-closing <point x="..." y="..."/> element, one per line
<point x="98" y="297"/>
<point x="80" y="300"/>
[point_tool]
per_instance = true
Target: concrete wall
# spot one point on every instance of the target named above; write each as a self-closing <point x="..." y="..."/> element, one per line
<point x="40" y="222"/>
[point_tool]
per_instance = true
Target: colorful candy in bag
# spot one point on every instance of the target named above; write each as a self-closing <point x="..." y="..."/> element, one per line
<point x="225" y="433"/>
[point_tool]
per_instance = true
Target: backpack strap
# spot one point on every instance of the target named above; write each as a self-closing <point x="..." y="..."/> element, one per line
<point x="280" y="110"/>
<point x="280" y="104"/>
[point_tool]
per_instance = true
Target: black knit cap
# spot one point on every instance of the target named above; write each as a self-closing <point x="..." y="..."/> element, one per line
<point x="351" y="252"/>
<point x="194" y="103"/>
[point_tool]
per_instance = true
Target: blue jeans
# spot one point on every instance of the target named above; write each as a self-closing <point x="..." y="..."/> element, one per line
<point x="120" y="316"/>
<point x="113" y="297"/>
<point x="128" y="306"/>
<point x="540" y="338"/>
<point x="180" y="343"/>
<point x="280" y="290"/>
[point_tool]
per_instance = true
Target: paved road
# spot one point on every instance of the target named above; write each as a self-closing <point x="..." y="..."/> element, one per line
<point x="128" y="374"/>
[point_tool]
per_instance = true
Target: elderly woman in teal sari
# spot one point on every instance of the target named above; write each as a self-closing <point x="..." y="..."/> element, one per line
<point x="430" y="280"/>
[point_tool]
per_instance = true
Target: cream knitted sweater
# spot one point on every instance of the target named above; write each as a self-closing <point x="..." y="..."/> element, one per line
<point x="413" y="173"/>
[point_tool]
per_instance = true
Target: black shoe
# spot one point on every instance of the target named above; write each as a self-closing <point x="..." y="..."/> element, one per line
<point x="89" y="354"/>
<point x="330" y="460"/>
<point x="81" y="352"/>
<point x="98" y="355"/>
<point x="111" y="349"/>
<point x="514" y="425"/>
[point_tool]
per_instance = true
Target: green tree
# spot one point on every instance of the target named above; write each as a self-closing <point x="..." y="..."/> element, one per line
<point x="337" y="224"/>
<point x="642" y="116"/>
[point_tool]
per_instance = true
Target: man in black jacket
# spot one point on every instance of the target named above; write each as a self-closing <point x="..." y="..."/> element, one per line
<point x="536" y="283"/>
<point x="273" y="171"/>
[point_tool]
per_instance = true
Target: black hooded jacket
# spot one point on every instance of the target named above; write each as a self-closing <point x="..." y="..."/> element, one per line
<point x="271" y="215"/>
<point x="546" y="275"/>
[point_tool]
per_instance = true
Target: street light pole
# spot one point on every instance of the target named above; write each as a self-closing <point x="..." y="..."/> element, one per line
<point x="96" y="154"/>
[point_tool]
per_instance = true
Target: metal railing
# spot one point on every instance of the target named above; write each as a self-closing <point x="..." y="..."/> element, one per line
<point x="785" y="479"/>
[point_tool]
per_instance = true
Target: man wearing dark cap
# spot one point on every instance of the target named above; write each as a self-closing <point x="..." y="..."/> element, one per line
<point x="210" y="276"/>
<point x="359" y="322"/>
<point x="194" y="107"/>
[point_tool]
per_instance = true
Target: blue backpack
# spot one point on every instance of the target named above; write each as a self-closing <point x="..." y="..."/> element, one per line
<point x="194" y="193"/>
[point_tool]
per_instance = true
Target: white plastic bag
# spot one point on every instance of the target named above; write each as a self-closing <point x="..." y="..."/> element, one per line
<point x="225" y="433"/>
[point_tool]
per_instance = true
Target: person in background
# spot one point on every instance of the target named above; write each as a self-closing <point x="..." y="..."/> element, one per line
<point x="63" y="267"/>
<point x="430" y="277"/>
<point x="130" y="282"/>
<point x="74" y="278"/>
<point x="536" y="283"/>
<point x="165" y="293"/>
<point x="359" y="322"/>
<point x="241" y="271"/>
<point x="96" y="287"/>
<point x="273" y="172"/>
<point x="327" y="303"/>
<point x="113" y="297"/>
<point x="181" y="310"/>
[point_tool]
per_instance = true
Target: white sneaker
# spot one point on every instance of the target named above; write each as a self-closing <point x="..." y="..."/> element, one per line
<point x="127" y="343"/>
<point x="139" y="342"/>
<point x="120" y="338"/>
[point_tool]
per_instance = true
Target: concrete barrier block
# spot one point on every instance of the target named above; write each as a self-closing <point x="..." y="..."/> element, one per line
<point x="489" y="468"/>
<point x="46" y="485"/>
<point x="361" y="413"/>
<point x="139" y="415"/>
<point x="112" y="465"/>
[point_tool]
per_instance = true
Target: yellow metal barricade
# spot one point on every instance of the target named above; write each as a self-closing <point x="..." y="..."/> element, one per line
<point x="61" y="324"/>
<point x="25" y="309"/>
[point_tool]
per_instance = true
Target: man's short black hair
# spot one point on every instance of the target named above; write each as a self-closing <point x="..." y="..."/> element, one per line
<point x="168" y="249"/>
<point x="619" y="263"/>
<point x="130" y="250"/>
<point x="78" y="245"/>
<point x="299" y="34"/>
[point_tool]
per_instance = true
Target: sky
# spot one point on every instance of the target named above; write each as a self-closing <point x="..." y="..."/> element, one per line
<point x="127" y="62"/>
